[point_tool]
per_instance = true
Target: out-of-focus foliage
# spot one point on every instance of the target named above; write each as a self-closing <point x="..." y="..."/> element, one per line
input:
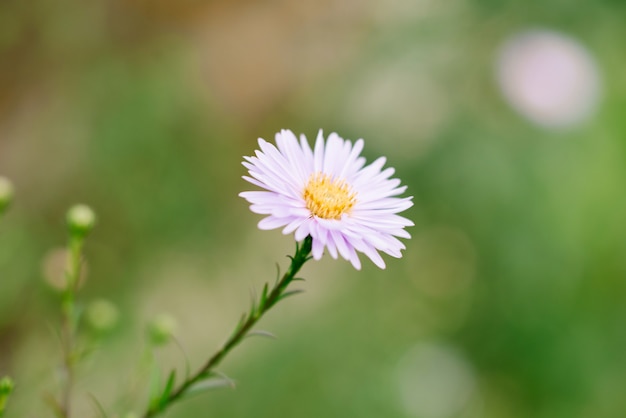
<point x="509" y="301"/>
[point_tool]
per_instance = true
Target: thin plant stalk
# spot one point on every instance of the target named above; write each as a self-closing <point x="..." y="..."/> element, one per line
<point x="68" y="322"/>
<point x="268" y="299"/>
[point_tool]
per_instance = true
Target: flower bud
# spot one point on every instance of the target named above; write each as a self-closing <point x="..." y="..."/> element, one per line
<point x="80" y="220"/>
<point x="161" y="329"/>
<point x="6" y="193"/>
<point x="102" y="315"/>
<point x="6" y="387"/>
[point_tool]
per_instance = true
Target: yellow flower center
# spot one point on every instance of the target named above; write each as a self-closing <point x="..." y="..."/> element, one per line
<point x="328" y="198"/>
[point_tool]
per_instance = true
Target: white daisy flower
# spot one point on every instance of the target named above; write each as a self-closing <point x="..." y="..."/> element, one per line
<point x="329" y="194"/>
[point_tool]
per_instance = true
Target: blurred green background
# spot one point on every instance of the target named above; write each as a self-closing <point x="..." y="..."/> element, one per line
<point x="510" y="300"/>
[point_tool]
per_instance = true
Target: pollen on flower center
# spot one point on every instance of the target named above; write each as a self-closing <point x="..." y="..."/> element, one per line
<point x="328" y="198"/>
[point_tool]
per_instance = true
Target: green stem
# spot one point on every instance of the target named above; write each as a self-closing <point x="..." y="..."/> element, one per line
<point x="68" y="321"/>
<point x="267" y="301"/>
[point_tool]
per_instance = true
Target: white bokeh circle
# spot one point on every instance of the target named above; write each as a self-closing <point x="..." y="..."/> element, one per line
<point x="548" y="77"/>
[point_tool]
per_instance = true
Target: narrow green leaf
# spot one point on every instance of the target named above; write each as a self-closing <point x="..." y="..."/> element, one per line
<point x="263" y="297"/>
<point x="169" y="385"/>
<point x="261" y="333"/>
<point x="290" y="293"/>
<point x="242" y="320"/>
<point x="206" y="385"/>
<point x="216" y="381"/>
